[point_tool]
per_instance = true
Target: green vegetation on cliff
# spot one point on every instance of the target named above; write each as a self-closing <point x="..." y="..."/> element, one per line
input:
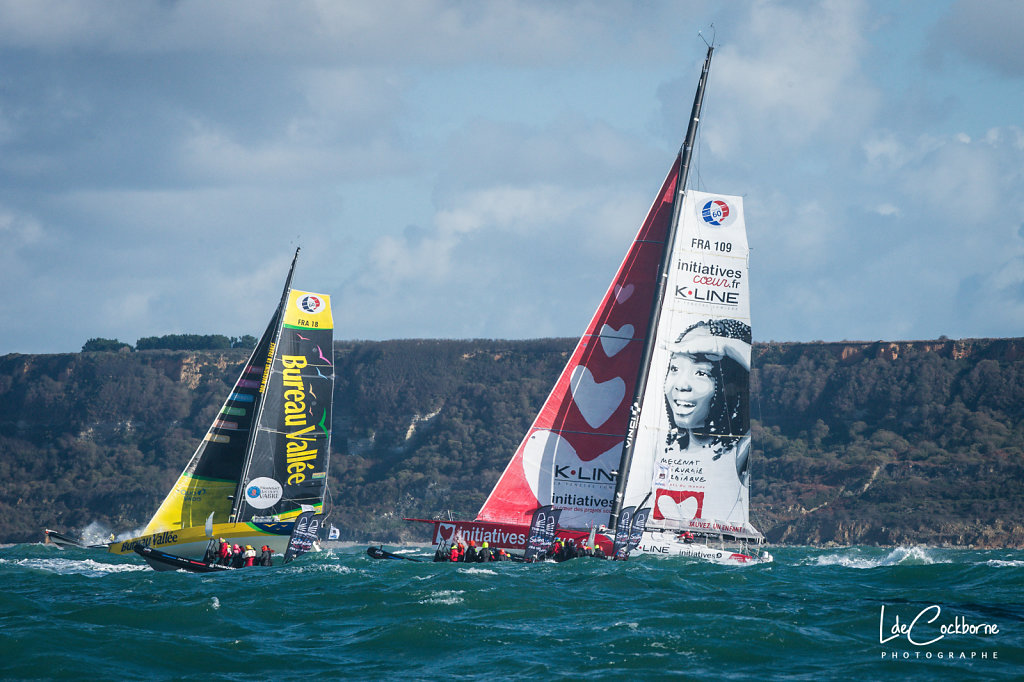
<point x="888" y="443"/>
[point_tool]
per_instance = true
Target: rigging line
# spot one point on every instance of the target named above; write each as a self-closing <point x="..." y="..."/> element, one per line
<point x="329" y="495"/>
<point x="750" y="457"/>
<point x="714" y="34"/>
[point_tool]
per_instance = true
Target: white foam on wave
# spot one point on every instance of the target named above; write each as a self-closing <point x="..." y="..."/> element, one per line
<point x="482" y="571"/>
<point x="324" y="568"/>
<point x="215" y="603"/>
<point x="1004" y="562"/>
<point x="96" y="533"/>
<point x="86" y="567"/>
<point x="899" y="556"/>
<point x="447" y="597"/>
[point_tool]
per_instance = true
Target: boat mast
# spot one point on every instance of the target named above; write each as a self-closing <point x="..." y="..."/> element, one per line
<point x="267" y="368"/>
<point x="663" y="271"/>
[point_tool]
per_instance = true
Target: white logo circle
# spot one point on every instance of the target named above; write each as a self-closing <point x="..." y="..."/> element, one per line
<point x="310" y="303"/>
<point x="263" y="492"/>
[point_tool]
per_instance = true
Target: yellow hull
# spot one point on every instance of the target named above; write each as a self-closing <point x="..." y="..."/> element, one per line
<point x="192" y="542"/>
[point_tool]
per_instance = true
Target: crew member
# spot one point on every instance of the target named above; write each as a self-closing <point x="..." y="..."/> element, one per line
<point x="267" y="556"/>
<point x="248" y="556"/>
<point x="485" y="553"/>
<point x="470" y="553"/>
<point x="224" y="553"/>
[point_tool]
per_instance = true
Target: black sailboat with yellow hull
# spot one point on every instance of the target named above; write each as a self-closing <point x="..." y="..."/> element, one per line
<point x="266" y="454"/>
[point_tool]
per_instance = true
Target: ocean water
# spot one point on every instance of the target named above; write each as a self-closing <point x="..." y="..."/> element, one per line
<point x="848" y="613"/>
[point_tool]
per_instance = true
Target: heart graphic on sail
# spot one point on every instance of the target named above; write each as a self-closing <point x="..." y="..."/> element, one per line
<point x="622" y="293"/>
<point x="678" y="505"/>
<point x="595" y="401"/>
<point x="613" y="340"/>
<point x="670" y="509"/>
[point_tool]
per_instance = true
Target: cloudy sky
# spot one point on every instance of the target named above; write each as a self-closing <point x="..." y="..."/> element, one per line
<point x="472" y="169"/>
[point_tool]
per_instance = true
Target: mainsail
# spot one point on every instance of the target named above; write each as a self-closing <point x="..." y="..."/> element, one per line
<point x="693" y="441"/>
<point x="267" y="452"/>
<point x="288" y="455"/>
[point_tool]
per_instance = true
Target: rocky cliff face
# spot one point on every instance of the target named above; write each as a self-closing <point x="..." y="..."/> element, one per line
<point x="854" y="442"/>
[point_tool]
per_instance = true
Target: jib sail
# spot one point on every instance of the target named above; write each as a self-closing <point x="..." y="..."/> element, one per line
<point x="569" y="456"/>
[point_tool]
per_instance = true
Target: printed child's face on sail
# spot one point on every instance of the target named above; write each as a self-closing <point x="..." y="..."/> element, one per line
<point x="689" y="387"/>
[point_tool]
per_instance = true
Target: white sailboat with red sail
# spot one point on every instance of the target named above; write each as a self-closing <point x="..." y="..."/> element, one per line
<point x="647" y="431"/>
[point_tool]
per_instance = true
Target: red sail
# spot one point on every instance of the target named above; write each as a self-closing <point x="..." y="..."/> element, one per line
<point x="568" y="456"/>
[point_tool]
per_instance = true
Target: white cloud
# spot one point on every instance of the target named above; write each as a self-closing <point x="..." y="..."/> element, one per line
<point x="792" y="76"/>
<point x="463" y="169"/>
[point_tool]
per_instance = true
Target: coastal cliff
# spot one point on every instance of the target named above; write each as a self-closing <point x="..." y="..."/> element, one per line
<point x="892" y="443"/>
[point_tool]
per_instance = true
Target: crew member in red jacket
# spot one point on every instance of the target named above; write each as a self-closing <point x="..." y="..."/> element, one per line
<point x="224" y="553"/>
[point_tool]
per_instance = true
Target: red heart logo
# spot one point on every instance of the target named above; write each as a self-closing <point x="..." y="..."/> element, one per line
<point x="445" y="531"/>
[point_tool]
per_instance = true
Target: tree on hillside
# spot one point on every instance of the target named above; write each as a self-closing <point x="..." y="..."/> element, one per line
<point x="105" y="345"/>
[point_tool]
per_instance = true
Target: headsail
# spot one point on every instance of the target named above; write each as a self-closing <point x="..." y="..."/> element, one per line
<point x="569" y="455"/>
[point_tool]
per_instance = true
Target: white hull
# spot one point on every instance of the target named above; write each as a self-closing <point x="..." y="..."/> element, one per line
<point x="658" y="543"/>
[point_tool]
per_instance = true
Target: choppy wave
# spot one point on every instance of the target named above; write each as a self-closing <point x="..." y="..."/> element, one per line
<point x="870" y="557"/>
<point x="445" y="597"/>
<point x="342" y="614"/>
<point x="86" y="567"/>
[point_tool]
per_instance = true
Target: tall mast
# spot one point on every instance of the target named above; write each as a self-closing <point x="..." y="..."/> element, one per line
<point x="275" y="325"/>
<point x="663" y="270"/>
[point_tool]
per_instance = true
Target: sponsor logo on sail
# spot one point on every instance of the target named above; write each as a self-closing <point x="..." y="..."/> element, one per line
<point x="310" y="303"/>
<point x="302" y="449"/>
<point x="717" y="213"/>
<point x="583" y="473"/>
<point x="263" y="492"/>
<point x="706" y="295"/>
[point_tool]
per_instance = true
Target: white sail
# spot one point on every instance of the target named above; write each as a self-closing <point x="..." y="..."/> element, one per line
<point x="693" y="441"/>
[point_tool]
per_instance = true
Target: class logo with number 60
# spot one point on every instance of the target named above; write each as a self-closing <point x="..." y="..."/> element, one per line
<point x="311" y="304"/>
<point x="716" y="213"/>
